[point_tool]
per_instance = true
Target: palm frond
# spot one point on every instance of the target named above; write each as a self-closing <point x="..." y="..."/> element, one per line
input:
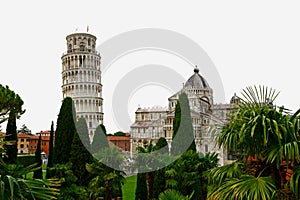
<point x="245" y="187"/>
<point x="219" y="174"/>
<point x="294" y="182"/>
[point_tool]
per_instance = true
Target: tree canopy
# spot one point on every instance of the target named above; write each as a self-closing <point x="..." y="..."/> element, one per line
<point x="9" y="101"/>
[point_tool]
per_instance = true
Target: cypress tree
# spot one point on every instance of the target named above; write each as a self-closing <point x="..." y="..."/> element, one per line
<point x="50" y="156"/>
<point x="99" y="140"/>
<point x="38" y="174"/>
<point x="177" y="119"/>
<point x="11" y="105"/>
<point x="183" y="123"/>
<point x="159" y="182"/>
<point x="159" y="175"/>
<point x="80" y="155"/>
<point x="11" y="136"/>
<point x="65" y="129"/>
<point x="141" y="192"/>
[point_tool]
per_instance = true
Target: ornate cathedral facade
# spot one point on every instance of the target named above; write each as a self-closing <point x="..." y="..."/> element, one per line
<point x="152" y="123"/>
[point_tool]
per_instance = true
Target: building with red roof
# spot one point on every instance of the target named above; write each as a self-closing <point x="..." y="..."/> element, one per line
<point x="121" y="142"/>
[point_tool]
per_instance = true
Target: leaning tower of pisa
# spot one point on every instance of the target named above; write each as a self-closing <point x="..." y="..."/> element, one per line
<point x="81" y="78"/>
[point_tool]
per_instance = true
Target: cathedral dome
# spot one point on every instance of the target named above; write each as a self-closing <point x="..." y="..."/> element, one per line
<point x="196" y="81"/>
<point x="235" y="99"/>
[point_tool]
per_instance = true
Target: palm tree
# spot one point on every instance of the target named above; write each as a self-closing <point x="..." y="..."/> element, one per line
<point x="107" y="181"/>
<point x="150" y="175"/>
<point x="174" y="195"/>
<point x="188" y="174"/>
<point x="12" y="183"/>
<point x="14" y="186"/>
<point x="267" y="138"/>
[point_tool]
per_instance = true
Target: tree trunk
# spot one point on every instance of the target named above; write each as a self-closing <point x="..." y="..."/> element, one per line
<point x="108" y="190"/>
<point x="150" y="185"/>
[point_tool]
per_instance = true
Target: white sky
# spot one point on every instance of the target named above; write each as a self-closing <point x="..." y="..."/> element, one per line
<point x="254" y="42"/>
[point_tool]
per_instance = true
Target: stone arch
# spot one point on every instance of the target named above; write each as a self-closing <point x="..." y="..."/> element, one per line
<point x="80" y="61"/>
<point x="80" y="75"/>
<point x="84" y="61"/>
<point x="76" y="61"/>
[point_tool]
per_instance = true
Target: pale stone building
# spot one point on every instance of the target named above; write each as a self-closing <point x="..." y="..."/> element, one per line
<point x="152" y="123"/>
<point x="81" y="78"/>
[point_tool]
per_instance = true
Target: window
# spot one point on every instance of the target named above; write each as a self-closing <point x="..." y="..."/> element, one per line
<point x="43" y="143"/>
<point x="80" y="61"/>
<point x="206" y="148"/>
<point x="22" y="146"/>
<point x="81" y="47"/>
<point x="90" y="124"/>
<point x="22" y="140"/>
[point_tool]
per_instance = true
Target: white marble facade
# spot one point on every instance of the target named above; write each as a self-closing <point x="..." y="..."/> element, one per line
<point x="81" y="78"/>
<point x="152" y="123"/>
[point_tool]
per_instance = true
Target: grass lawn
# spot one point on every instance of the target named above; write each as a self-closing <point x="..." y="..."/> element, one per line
<point x="128" y="189"/>
<point x="30" y="175"/>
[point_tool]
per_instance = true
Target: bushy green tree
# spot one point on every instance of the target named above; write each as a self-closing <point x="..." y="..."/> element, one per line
<point x="80" y="155"/>
<point x="182" y="124"/>
<point x="174" y="195"/>
<point x="183" y="175"/>
<point x="100" y="140"/>
<point x="141" y="192"/>
<point x="69" y="188"/>
<point x="9" y="101"/>
<point x="188" y="174"/>
<point x="161" y="143"/>
<point x="24" y="130"/>
<point x="50" y="156"/>
<point x="65" y="131"/>
<point x="106" y="181"/>
<point x="38" y="174"/>
<point x="119" y="133"/>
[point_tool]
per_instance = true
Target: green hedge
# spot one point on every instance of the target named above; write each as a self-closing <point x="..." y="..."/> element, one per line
<point x="26" y="160"/>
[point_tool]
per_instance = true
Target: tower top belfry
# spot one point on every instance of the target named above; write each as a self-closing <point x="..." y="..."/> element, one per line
<point x="81" y="42"/>
<point x="81" y="78"/>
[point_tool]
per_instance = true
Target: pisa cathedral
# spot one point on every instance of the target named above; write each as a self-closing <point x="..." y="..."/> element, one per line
<point x="152" y="123"/>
